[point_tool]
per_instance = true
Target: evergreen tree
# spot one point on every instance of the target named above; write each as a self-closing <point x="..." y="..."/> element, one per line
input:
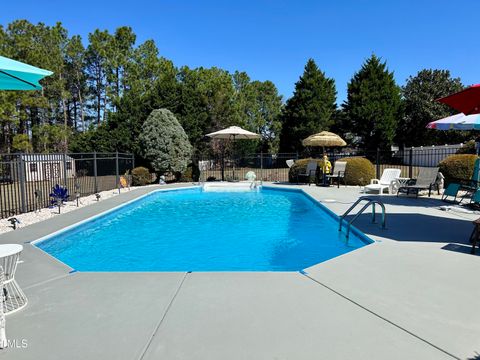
<point x="164" y="143"/>
<point x="309" y="110"/>
<point x="420" y="93"/>
<point x="373" y="105"/>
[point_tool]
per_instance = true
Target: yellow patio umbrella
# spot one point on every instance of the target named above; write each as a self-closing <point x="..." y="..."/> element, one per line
<point x="324" y="139"/>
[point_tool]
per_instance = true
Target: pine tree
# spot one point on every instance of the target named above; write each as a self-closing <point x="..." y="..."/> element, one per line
<point x="373" y="105"/>
<point x="309" y="110"/>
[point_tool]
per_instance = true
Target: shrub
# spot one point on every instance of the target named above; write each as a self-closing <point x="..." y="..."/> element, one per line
<point x="359" y="171"/>
<point x="141" y="176"/>
<point x="192" y="173"/>
<point x="457" y="168"/>
<point x="467" y="148"/>
<point x="164" y="143"/>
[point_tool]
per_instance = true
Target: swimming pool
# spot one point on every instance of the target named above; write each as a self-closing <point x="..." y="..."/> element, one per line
<point x="193" y="230"/>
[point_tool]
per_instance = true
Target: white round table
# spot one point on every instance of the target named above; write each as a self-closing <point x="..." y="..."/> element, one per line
<point x="397" y="184"/>
<point x="13" y="297"/>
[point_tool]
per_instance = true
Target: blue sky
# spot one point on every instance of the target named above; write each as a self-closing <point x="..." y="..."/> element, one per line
<point x="272" y="40"/>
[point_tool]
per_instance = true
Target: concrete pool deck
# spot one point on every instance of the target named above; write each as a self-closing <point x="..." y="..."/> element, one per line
<point x="410" y="295"/>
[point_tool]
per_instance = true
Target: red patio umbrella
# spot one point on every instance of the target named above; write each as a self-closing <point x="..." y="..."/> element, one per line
<point x="466" y="101"/>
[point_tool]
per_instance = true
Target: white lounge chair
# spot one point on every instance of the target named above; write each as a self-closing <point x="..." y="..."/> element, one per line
<point x="385" y="181"/>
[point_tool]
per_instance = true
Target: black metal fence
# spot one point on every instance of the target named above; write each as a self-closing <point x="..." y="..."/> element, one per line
<point x="267" y="167"/>
<point x="274" y="167"/>
<point x="26" y="180"/>
<point x="408" y="160"/>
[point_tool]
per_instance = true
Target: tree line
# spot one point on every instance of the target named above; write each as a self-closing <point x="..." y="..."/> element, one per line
<point x="104" y="87"/>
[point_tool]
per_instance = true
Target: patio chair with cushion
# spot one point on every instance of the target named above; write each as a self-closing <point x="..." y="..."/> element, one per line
<point x="385" y="181"/>
<point x="310" y="171"/>
<point x="338" y="172"/>
<point x="426" y="180"/>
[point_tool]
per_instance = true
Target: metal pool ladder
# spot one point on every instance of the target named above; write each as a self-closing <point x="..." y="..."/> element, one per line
<point x="370" y="201"/>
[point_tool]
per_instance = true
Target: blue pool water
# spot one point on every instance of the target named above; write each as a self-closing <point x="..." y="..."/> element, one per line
<point x="192" y="230"/>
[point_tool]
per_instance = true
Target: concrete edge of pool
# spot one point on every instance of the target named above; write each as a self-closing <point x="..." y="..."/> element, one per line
<point x="214" y="315"/>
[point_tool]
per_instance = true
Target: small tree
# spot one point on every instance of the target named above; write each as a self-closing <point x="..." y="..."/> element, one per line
<point x="164" y="143"/>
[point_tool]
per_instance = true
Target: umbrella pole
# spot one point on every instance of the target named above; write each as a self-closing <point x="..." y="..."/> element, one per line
<point x="223" y="160"/>
<point x="233" y="176"/>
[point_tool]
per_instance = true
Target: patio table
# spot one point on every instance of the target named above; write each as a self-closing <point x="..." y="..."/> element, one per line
<point x="397" y="184"/>
<point x="13" y="296"/>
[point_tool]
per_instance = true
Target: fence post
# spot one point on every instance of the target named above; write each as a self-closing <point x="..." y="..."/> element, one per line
<point x="410" y="160"/>
<point x="117" y="180"/>
<point x="377" y="162"/>
<point x="65" y="169"/>
<point x="23" y="205"/>
<point x="95" y="172"/>
<point x="261" y="166"/>
<point x="133" y="161"/>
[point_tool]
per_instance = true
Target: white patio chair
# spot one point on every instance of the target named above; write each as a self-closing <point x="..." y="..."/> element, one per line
<point x="290" y="162"/>
<point x="385" y="181"/>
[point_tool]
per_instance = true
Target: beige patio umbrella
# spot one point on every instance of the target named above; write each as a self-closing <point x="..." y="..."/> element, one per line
<point x="233" y="133"/>
<point x="324" y="139"/>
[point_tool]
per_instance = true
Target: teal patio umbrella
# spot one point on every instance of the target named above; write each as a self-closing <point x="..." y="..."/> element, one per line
<point x="15" y="75"/>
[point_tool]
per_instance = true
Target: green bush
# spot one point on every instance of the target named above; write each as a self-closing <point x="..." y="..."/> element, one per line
<point x="467" y="148"/>
<point x="300" y="166"/>
<point x="192" y="174"/>
<point x="141" y="176"/>
<point x="457" y="168"/>
<point x="359" y="171"/>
